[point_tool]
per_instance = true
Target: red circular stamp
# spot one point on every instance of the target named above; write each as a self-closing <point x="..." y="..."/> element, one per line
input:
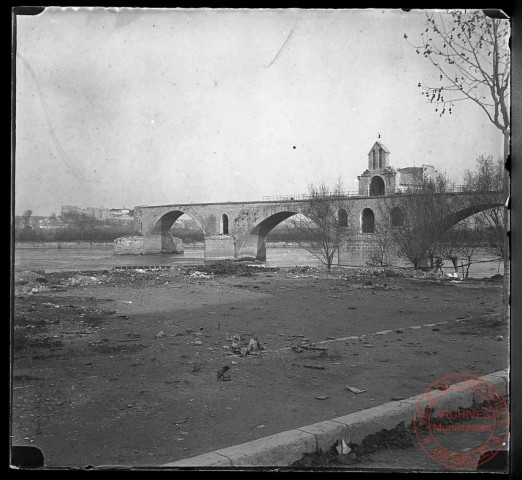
<point x="456" y="437"/>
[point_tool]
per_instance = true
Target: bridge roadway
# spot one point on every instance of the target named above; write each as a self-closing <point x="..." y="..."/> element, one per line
<point x="238" y="230"/>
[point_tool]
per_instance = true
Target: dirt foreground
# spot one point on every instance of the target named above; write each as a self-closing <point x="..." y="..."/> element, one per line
<point x="121" y="367"/>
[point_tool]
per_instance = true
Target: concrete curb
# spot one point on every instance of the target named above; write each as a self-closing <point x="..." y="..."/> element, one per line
<point x="282" y="449"/>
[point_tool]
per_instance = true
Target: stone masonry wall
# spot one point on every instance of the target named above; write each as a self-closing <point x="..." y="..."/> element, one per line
<point x="364" y="248"/>
<point x="219" y="247"/>
<point x="357" y="251"/>
<point x="128" y="245"/>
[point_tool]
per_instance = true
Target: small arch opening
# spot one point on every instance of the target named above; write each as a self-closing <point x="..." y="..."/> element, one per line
<point x="377" y="186"/>
<point x="368" y="221"/>
<point x="224" y="224"/>
<point x="396" y="217"/>
<point x="343" y="217"/>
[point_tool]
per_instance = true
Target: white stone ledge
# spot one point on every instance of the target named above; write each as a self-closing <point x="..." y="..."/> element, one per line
<point x="284" y="448"/>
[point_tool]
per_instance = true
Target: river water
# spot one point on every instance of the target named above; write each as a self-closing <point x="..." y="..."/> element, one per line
<point x="101" y="258"/>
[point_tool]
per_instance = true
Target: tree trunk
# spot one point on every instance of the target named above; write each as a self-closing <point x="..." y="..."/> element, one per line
<point x="454" y="260"/>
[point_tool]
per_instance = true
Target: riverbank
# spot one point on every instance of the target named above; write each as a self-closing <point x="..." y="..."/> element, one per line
<point x="21" y="245"/>
<point x="120" y="367"/>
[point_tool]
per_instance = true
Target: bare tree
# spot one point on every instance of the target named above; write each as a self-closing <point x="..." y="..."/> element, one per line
<point x="470" y="241"/>
<point x="26" y="219"/>
<point x="470" y="50"/>
<point x="380" y="252"/>
<point x="449" y="246"/>
<point x="485" y="180"/>
<point x="423" y="211"/>
<point x="323" y="224"/>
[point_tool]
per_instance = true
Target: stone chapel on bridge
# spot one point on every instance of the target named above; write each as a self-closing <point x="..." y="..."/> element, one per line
<point x="382" y="179"/>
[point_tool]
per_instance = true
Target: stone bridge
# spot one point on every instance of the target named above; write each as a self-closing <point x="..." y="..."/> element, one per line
<point x="238" y="230"/>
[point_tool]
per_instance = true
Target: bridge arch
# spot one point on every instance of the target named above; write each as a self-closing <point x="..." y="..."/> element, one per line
<point x="223" y="229"/>
<point x="367" y="221"/>
<point x="342" y="217"/>
<point x="157" y="235"/>
<point x="377" y="187"/>
<point x="456" y="217"/>
<point x="253" y="244"/>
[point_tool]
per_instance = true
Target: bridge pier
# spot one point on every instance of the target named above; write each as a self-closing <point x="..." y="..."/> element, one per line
<point x="253" y="248"/>
<point x="219" y="247"/>
<point x="152" y="243"/>
<point x="155" y="243"/>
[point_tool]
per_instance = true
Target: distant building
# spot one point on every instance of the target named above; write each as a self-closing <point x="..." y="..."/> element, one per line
<point x="37" y="221"/>
<point x="382" y="179"/>
<point x="118" y="212"/>
<point x="99" y="213"/>
<point x="51" y="222"/>
<point x="121" y="214"/>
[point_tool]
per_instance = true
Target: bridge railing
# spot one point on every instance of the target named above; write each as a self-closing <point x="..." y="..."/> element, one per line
<point x="304" y="196"/>
<point x="404" y="189"/>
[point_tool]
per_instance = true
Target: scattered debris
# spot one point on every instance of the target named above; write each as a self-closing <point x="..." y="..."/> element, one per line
<point x="313" y="347"/>
<point x="297" y="349"/>
<point x="238" y="348"/>
<point x="227" y="267"/>
<point x="354" y="389"/>
<point x="198" y="274"/>
<point x="160" y="334"/>
<point x="441" y="386"/>
<point x="342" y="448"/>
<point x="223" y="375"/>
<point x="82" y="280"/>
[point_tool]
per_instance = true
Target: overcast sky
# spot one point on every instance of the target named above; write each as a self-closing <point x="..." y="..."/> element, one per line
<point x="150" y="107"/>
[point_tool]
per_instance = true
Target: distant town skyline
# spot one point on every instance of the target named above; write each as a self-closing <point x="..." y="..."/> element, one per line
<point x="127" y="107"/>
